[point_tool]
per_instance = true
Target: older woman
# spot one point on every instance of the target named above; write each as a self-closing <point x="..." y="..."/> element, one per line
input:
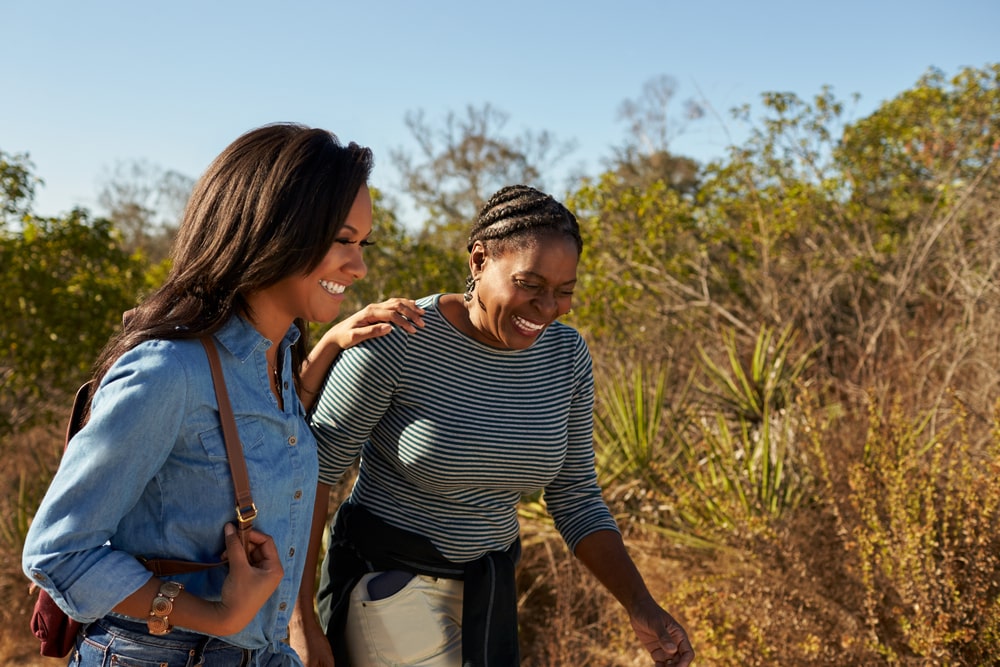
<point x="491" y="399"/>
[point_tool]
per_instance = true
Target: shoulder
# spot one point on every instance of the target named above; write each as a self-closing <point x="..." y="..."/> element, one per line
<point x="563" y="335"/>
<point x="398" y="340"/>
<point x="430" y="302"/>
<point x="158" y="363"/>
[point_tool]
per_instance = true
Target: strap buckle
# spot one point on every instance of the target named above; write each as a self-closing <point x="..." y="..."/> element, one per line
<point x="246" y="514"/>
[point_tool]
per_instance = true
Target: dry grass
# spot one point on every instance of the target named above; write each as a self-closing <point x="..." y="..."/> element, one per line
<point x="32" y="456"/>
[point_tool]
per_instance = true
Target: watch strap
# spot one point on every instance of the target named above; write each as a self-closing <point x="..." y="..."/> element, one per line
<point x="158" y="621"/>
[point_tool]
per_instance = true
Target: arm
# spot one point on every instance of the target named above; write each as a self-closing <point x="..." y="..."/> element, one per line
<point x="250" y="582"/>
<point x="370" y="322"/>
<point x="306" y="634"/>
<point x="604" y="554"/>
<point x="585" y="521"/>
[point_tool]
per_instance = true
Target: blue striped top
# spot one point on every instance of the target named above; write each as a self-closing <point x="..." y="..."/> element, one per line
<point x="452" y="432"/>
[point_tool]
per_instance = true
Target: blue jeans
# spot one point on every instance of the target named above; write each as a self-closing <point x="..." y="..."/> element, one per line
<point x="116" y="642"/>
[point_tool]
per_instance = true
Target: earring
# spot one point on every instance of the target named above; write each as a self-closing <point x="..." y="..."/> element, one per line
<point x="470" y="286"/>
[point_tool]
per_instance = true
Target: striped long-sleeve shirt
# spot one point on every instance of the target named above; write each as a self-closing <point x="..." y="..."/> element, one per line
<point x="452" y="432"/>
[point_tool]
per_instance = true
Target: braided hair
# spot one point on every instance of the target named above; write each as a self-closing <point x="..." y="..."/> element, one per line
<point x="516" y="216"/>
<point x="518" y="213"/>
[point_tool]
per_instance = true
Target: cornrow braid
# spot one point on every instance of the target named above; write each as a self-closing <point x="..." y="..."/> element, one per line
<point x="518" y="212"/>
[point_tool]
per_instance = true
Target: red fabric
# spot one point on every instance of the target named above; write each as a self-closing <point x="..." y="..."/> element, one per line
<point x="53" y="628"/>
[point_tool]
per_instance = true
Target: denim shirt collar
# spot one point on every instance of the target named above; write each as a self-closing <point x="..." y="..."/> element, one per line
<point x="242" y="339"/>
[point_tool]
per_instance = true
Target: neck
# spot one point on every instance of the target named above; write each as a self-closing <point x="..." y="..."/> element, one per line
<point x="268" y="320"/>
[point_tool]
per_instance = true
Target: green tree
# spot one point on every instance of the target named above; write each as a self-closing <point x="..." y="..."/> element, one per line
<point x="64" y="284"/>
<point x="923" y="178"/>
<point x="874" y="239"/>
<point x="637" y="291"/>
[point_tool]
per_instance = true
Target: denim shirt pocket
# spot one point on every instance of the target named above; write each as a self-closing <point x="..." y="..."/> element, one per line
<point x="251" y="434"/>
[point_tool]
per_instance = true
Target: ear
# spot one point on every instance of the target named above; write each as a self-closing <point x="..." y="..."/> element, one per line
<point x="477" y="258"/>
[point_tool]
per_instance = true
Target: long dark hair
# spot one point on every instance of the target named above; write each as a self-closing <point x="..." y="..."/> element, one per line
<point x="269" y="206"/>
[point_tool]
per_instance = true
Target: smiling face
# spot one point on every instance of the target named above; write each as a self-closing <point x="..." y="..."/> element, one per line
<point x="317" y="295"/>
<point x="521" y="290"/>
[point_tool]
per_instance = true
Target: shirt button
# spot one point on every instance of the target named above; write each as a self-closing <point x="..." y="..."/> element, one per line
<point x="298" y="495"/>
<point x="292" y="440"/>
<point x="282" y="606"/>
<point x="291" y="552"/>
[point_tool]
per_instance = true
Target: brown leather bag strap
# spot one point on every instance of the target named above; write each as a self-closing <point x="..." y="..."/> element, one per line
<point x="246" y="511"/>
<point x="167" y="567"/>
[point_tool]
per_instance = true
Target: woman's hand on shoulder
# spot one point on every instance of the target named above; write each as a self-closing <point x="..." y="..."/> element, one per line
<point x="372" y="321"/>
<point x="375" y="320"/>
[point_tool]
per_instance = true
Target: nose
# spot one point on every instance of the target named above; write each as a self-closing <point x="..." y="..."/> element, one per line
<point x="547" y="305"/>
<point x="356" y="266"/>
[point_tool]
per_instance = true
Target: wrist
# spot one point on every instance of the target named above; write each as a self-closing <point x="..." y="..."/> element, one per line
<point x="158" y="621"/>
<point x="224" y="621"/>
<point x="303" y="608"/>
<point x="640" y="601"/>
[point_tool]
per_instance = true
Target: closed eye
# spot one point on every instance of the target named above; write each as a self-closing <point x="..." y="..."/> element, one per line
<point x="539" y="289"/>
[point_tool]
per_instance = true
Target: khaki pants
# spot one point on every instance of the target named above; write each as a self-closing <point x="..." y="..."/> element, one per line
<point x="420" y="626"/>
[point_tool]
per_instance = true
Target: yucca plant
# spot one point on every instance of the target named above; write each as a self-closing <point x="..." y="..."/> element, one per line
<point x="630" y="424"/>
<point x="636" y="430"/>
<point x="762" y="386"/>
<point x="740" y="462"/>
<point x="628" y="433"/>
<point x="741" y="472"/>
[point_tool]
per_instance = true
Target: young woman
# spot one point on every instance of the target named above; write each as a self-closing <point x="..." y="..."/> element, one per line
<point x="271" y="238"/>
<point x="492" y="399"/>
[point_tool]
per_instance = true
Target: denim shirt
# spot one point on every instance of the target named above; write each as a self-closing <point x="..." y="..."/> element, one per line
<point x="149" y="476"/>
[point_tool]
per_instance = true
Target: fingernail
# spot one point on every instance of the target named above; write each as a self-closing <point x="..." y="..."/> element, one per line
<point x="229" y="529"/>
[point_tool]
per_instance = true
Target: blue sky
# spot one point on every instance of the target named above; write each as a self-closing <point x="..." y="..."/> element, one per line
<point x="87" y="85"/>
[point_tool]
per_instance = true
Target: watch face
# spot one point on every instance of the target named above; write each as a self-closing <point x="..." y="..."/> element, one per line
<point x="157" y="625"/>
<point x="162" y="606"/>
<point x="170" y="588"/>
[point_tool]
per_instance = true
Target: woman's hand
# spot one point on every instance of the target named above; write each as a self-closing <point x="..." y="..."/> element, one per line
<point x="374" y="320"/>
<point x="307" y="638"/>
<point x="252" y="579"/>
<point x="604" y="554"/>
<point x="663" y="637"/>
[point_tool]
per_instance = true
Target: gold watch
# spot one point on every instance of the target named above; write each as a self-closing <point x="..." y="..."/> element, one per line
<point x="163" y="604"/>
